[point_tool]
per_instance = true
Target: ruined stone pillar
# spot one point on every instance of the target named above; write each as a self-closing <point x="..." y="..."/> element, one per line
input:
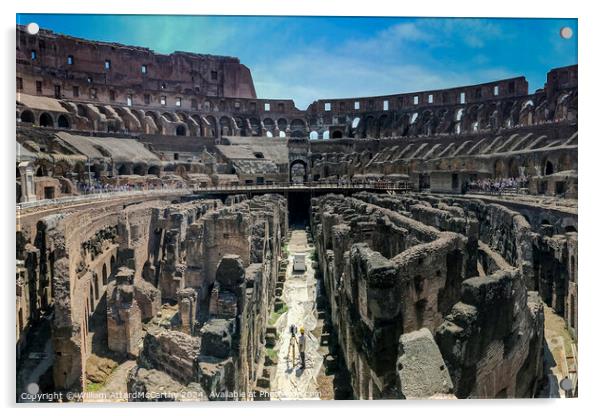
<point x="28" y="190"/>
<point x="124" y="319"/>
<point x="187" y="306"/>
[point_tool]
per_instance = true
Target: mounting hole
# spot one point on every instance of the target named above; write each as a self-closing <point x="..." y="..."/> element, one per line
<point x="33" y="28"/>
<point x="566" y="32"/>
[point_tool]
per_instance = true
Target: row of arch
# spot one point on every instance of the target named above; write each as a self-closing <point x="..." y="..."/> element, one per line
<point x="516" y="167"/>
<point x="486" y="116"/>
<point x="44" y="119"/>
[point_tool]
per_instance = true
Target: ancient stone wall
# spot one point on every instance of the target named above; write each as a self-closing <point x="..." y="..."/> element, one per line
<point x="440" y="276"/>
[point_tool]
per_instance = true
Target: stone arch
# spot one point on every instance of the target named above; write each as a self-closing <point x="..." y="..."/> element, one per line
<point x="46" y="120"/>
<point x="513" y="168"/>
<point x="104" y="275"/>
<point x="298" y="128"/>
<point x="547" y="167"/>
<point x="368" y="128"/>
<point x="180" y="130"/>
<point x="269" y="124"/>
<point x="82" y="111"/>
<point x="337" y="134"/>
<point x="225" y="124"/>
<point x="124" y="169"/>
<point x="27" y="117"/>
<point x="139" y="169"/>
<point x="282" y="124"/>
<point x="154" y="116"/>
<point x="294" y="173"/>
<point x="91" y="300"/>
<point x="96" y="286"/>
<point x="255" y="126"/>
<point x="499" y="170"/>
<point x="154" y="170"/>
<point x="169" y="117"/>
<point x="63" y="122"/>
<point x="213" y="132"/>
<point x="42" y="169"/>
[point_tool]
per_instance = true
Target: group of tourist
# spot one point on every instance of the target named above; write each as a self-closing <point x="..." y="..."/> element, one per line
<point x="100" y="188"/>
<point x="498" y="185"/>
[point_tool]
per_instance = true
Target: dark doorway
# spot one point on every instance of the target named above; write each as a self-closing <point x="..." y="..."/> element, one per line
<point x="49" y="192"/>
<point x="298" y="209"/>
<point x="298" y="171"/>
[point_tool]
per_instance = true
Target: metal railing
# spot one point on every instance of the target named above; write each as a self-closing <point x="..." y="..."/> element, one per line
<point x="306" y="185"/>
<point x="99" y="196"/>
<point x="279" y="186"/>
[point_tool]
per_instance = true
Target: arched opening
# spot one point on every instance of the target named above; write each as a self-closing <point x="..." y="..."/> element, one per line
<point x="269" y="134"/>
<point x="549" y="168"/>
<point x="139" y="170"/>
<point x="269" y="124"/>
<point x="46" y="120"/>
<point x="63" y="122"/>
<point x="212" y="131"/>
<point x="27" y="117"/>
<point x="573" y="268"/>
<point x="513" y="168"/>
<point x="337" y="134"/>
<point x="570" y="229"/>
<point x="225" y="126"/>
<point x="282" y="134"/>
<point x="313" y="135"/>
<point x="91" y="299"/>
<point x="123" y="170"/>
<point x="255" y="126"/>
<point x="298" y="171"/>
<point x="154" y="170"/>
<point x="282" y="124"/>
<point x="180" y="130"/>
<point x="96" y="170"/>
<point x="96" y="288"/>
<point x="104" y="275"/>
<point x="42" y="171"/>
<point x="326" y="135"/>
<point x="498" y="169"/>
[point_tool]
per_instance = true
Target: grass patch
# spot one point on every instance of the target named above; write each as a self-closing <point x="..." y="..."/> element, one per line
<point x="93" y="386"/>
<point x="272" y="354"/>
<point x="276" y="314"/>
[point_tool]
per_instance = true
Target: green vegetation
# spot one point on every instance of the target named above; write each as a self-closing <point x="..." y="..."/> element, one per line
<point x="272" y="354"/>
<point x="314" y="256"/>
<point x="276" y="314"/>
<point x="285" y="250"/>
<point x="93" y="386"/>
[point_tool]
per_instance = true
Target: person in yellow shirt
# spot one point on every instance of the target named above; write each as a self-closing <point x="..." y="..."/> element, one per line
<point x="302" y="346"/>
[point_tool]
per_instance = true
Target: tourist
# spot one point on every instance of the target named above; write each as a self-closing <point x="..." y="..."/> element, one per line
<point x="302" y="347"/>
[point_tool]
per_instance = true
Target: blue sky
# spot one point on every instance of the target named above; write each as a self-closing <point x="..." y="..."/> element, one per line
<point x="307" y="58"/>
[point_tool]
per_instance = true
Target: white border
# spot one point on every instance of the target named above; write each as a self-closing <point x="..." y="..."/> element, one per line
<point x="591" y="183"/>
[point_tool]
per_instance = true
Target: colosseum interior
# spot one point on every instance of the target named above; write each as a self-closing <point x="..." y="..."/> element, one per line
<point x="161" y="205"/>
